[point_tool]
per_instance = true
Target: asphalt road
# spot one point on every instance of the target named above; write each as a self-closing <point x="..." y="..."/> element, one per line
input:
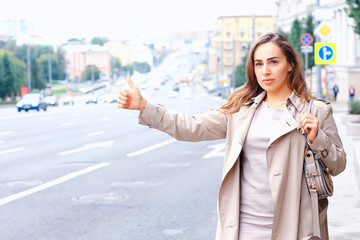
<point x="91" y="172"/>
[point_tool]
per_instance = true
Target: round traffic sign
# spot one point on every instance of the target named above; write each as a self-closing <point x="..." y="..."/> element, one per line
<point x="326" y="53"/>
<point x="306" y="39"/>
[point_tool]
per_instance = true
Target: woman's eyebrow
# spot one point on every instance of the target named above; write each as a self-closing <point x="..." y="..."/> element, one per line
<point x="270" y="58"/>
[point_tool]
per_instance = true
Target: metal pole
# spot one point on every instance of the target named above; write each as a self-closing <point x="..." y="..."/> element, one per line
<point x="318" y="66"/>
<point x="233" y="64"/>
<point x="28" y="67"/>
<point x="49" y="68"/>
<point x="253" y="28"/>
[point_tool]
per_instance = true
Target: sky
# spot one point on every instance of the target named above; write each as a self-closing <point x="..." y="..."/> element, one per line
<point x="60" y="20"/>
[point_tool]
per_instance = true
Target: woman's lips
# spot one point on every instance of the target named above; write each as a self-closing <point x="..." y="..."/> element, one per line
<point x="268" y="80"/>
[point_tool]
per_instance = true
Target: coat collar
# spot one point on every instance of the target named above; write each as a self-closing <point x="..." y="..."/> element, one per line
<point x="293" y="99"/>
<point x="296" y="101"/>
<point x="256" y="100"/>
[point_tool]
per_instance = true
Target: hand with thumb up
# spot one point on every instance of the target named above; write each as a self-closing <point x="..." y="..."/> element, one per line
<point x="130" y="97"/>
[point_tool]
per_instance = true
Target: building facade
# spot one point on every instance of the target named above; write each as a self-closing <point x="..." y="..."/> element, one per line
<point x="128" y="53"/>
<point x="346" y="71"/>
<point x="232" y="39"/>
<point x="78" y="57"/>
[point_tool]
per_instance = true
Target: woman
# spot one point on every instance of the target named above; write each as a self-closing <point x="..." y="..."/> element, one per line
<point x="263" y="194"/>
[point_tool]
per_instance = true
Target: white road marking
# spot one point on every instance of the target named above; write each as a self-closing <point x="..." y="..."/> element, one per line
<point x="52" y="183"/>
<point x="11" y="150"/>
<point x="87" y="147"/>
<point x="95" y="133"/>
<point x="67" y="124"/>
<point x="216" y="152"/>
<point x="150" y="148"/>
<point x="6" y="133"/>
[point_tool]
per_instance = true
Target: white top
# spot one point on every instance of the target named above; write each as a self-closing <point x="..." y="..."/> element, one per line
<point x="256" y="203"/>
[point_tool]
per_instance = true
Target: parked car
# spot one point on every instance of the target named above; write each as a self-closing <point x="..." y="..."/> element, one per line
<point x="51" y="101"/>
<point x="31" y="101"/>
<point x="66" y="100"/>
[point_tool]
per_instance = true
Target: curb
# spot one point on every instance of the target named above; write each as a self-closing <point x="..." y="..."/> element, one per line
<point x="356" y="146"/>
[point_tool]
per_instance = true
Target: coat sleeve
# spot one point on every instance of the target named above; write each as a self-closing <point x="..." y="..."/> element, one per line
<point x="327" y="145"/>
<point x="209" y="125"/>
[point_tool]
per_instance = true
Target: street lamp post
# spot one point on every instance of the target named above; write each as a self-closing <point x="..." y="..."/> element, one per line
<point x="49" y="68"/>
<point x="318" y="66"/>
<point x="28" y="66"/>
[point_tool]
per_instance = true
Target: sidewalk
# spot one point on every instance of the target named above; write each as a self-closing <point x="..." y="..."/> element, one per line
<point x="344" y="206"/>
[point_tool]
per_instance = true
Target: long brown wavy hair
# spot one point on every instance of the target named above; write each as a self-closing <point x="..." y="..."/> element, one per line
<point x="296" y="80"/>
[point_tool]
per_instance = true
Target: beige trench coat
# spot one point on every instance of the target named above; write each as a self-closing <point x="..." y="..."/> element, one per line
<point x="285" y="156"/>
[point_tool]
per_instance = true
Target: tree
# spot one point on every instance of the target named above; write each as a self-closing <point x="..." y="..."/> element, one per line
<point x="296" y="32"/>
<point x="86" y="74"/>
<point x="99" y="41"/>
<point x="309" y="28"/>
<point x="56" y="70"/>
<point x="38" y="80"/>
<point x="128" y="69"/>
<point x="60" y="57"/>
<point x="354" y="12"/>
<point x="6" y="76"/>
<point x="12" y="74"/>
<point x="141" y="67"/>
<point x="240" y="72"/>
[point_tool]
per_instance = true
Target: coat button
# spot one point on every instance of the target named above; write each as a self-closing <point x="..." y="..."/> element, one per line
<point x="300" y="130"/>
<point x="324" y="153"/>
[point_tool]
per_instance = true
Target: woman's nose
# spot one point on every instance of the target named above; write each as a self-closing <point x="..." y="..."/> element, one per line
<point x="265" y="69"/>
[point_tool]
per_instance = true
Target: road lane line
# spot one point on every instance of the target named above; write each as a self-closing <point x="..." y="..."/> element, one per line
<point x="52" y="183"/>
<point x="150" y="148"/>
<point x="95" y="133"/>
<point x="87" y="147"/>
<point x="11" y="150"/>
<point x="6" y="133"/>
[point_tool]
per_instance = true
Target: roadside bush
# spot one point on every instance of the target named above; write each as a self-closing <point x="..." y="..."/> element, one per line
<point x="354" y="107"/>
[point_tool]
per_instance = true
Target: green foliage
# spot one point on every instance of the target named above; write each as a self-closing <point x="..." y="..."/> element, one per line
<point x="16" y="70"/>
<point x="56" y="70"/>
<point x="129" y="69"/>
<point x="99" y="41"/>
<point x="297" y="30"/>
<point x="6" y="76"/>
<point x="86" y="74"/>
<point x="354" y="107"/>
<point x="240" y="73"/>
<point x="38" y="80"/>
<point x="354" y="12"/>
<point x="142" y="67"/>
<point x="12" y="74"/>
<point x="295" y="35"/>
<point x="309" y="28"/>
<point x="115" y="66"/>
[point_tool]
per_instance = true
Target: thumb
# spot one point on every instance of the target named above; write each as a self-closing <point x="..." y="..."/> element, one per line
<point x="130" y="82"/>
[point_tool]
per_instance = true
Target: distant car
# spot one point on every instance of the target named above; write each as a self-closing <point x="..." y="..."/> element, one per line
<point x="51" y="101"/>
<point x="176" y="87"/>
<point x="91" y="99"/>
<point x="66" y="100"/>
<point x="108" y="98"/>
<point x="31" y="101"/>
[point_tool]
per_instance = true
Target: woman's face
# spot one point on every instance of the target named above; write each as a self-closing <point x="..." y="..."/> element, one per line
<point x="271" y="68"/>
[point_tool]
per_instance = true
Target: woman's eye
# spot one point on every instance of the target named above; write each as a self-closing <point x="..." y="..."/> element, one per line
<point x="273" y="61"/>
<point x="258" y="64"/>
